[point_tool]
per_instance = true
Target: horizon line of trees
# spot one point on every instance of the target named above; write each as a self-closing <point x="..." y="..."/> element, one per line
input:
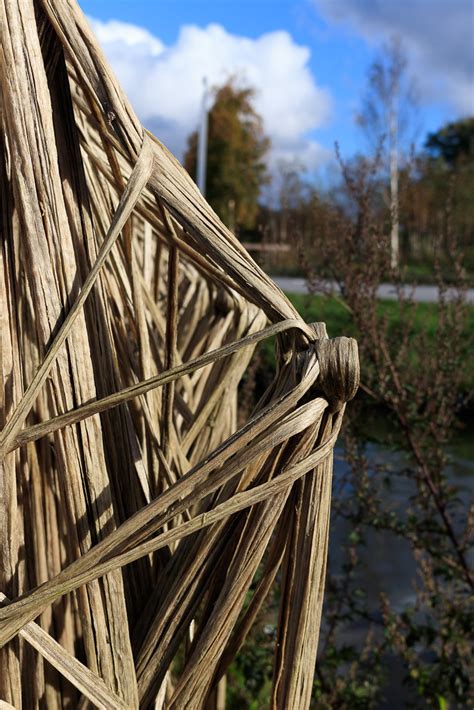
<point x="411" y="187"/>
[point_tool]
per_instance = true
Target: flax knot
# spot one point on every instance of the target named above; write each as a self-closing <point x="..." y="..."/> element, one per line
<point x="339" y="375"/>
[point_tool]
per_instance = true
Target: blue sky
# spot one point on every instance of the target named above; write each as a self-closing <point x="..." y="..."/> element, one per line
<point x="308" y="59"/>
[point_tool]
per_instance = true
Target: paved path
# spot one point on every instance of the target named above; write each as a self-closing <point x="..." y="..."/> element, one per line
<point x="422" y="294"/>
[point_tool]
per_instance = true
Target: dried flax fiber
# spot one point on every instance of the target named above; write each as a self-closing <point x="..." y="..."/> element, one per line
<point x="135" y="513"/>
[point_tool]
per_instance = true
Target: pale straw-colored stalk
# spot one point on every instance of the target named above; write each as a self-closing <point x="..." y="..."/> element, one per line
<point x="135" y="514"/>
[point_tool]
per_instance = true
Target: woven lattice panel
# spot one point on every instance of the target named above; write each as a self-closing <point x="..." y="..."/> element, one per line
<point x="142" y="529"/>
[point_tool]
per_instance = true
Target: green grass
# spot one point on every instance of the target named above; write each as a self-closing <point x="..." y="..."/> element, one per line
<point x="339" y="322"/>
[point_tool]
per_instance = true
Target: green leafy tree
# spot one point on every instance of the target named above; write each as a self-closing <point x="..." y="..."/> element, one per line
<point x="445" y="170"/>
<point x="453" y="142"/>
<point x="236" y="169"/>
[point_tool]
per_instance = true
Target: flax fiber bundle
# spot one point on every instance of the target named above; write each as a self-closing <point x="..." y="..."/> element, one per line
<point x="135" y="514"/>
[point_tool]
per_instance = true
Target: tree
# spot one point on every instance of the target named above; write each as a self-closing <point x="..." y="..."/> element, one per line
<point x="237" y="145"/>
<point x="450" y="162"/>
<point x="384" y="116"/>
<point x="453" y="142"/>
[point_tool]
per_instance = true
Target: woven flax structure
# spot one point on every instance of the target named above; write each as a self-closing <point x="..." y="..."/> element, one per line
<point x="141" y="528"/>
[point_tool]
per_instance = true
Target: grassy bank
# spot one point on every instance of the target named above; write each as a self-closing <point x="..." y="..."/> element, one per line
<point x="339" y="321"/>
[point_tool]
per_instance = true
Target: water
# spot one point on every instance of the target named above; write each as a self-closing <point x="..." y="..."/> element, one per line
<point x="386" y="560"/>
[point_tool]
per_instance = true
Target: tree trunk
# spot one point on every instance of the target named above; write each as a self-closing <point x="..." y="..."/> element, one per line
<point x="394" y="233"/>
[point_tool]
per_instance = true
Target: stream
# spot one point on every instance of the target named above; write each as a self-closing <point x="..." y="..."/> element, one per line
<point x="386" y="560"/>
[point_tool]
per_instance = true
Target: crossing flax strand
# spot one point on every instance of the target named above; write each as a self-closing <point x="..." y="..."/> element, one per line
<point x="136" y="515"/>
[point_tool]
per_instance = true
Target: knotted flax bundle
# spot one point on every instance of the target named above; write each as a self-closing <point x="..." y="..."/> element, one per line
<point x="135" y="514"/>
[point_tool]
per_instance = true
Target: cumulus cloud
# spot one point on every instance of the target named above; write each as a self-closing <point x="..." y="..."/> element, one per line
<point x="164" y="83"/>
<point x="436" y="34"/>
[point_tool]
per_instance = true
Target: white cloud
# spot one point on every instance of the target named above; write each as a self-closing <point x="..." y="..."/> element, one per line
<point x="437" y="35"/>
<point x="164" y="83"/>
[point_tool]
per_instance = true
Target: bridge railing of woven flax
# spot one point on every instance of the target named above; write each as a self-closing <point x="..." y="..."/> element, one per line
<point x="142" y="530"/>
